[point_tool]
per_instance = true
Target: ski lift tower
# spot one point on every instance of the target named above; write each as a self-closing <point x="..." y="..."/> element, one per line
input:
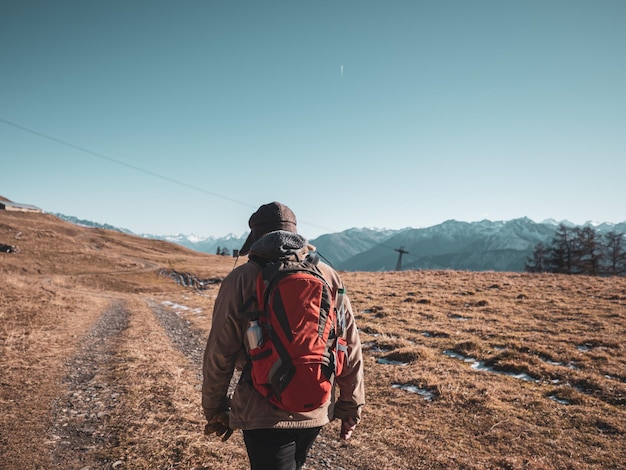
<point x="401" y="251"/>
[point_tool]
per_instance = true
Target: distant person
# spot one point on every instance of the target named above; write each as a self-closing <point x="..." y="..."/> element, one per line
<point x="276" y="439"/>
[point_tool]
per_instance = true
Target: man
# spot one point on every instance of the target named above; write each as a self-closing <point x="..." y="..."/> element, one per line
<point x="275" y="439"/>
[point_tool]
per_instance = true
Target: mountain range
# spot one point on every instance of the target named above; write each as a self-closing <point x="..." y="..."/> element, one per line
<point x="473" y="246"/>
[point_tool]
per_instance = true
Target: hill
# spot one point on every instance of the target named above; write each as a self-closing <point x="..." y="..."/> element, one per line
<point x="101" y="349"/>
<point x="474" y="246"/>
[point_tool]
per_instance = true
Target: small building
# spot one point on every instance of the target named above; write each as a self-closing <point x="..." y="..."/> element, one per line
<point x="17" y="207"/>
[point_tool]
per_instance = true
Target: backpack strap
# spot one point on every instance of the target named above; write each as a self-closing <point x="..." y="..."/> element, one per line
<point x="244" y="312"/>
<point x="259" y="260"/>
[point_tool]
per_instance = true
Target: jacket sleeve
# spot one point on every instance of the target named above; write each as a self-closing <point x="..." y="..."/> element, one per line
<point x="224" y="346"/>
<point x="351" y="385"/>
<point x="351" y="381"/>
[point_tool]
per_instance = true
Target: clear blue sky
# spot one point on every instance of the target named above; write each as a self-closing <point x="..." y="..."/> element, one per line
<point x="171" y="117"/>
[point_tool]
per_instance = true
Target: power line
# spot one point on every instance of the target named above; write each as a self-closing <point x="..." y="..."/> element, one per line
<point x="139" y="169"/>
<point x="119" y="162"/>
<point x="167" y="178"/>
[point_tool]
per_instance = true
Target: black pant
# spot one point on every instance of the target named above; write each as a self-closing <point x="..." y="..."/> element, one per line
<point x="279" y="449"/>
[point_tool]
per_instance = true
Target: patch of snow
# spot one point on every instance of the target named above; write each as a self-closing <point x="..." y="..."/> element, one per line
<point x="480" y="365"/>
<point x="382" y="360"/>
<point x="180" y="307"/>
<point x="560" y="401"/>
<point x="427" y="394"/>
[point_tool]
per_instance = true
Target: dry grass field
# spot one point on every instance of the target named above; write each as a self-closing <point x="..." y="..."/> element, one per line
<point x="100" y="356"/>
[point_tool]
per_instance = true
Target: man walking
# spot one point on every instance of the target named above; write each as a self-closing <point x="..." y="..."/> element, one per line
<point x="275" y="438"/>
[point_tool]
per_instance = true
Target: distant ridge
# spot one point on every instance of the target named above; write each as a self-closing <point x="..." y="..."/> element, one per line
<point x="472" y="246"/>
<point x="89" y="223"/>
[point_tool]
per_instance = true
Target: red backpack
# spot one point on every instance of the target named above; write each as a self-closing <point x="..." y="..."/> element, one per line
<point x="295" y="339"/>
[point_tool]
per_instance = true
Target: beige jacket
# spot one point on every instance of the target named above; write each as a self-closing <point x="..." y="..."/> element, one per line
<point x="225" y="352"/>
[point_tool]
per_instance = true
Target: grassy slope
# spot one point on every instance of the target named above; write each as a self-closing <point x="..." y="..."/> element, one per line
<point x="565" y="332"/>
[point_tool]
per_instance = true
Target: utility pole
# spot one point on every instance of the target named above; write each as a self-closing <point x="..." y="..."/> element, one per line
<point x="401" y="252"/>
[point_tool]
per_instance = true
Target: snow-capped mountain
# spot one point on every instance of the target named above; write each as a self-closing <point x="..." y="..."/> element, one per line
<point x="473" y="246"/>
<point x="336" y="248"/>
<point x="211" y="245"/>
<point x="230" y="242"/>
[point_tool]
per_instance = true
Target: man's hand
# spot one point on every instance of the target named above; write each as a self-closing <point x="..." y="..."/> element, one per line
<point x="348" y="424"/>
<point x="218" y="424"/>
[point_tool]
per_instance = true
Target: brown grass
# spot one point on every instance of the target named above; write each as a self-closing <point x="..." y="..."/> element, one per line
<point x="140" y="405"/>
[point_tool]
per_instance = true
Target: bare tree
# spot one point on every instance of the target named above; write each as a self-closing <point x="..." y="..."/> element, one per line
<point x="580" y="251"/>
<point x="537" y="264"/>
<point x="615" y="259"/>
<point x="559" y="258"/>
<point x="586" y="251"/>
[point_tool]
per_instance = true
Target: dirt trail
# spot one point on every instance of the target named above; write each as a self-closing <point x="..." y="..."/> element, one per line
<point x="131" y="388"/>
<point x="79" y="426"/>
<point x="95" y="374"/>
<point x="103" y="408"/>
<point x="327" y="450"/>
<point x="188" y="341"/>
